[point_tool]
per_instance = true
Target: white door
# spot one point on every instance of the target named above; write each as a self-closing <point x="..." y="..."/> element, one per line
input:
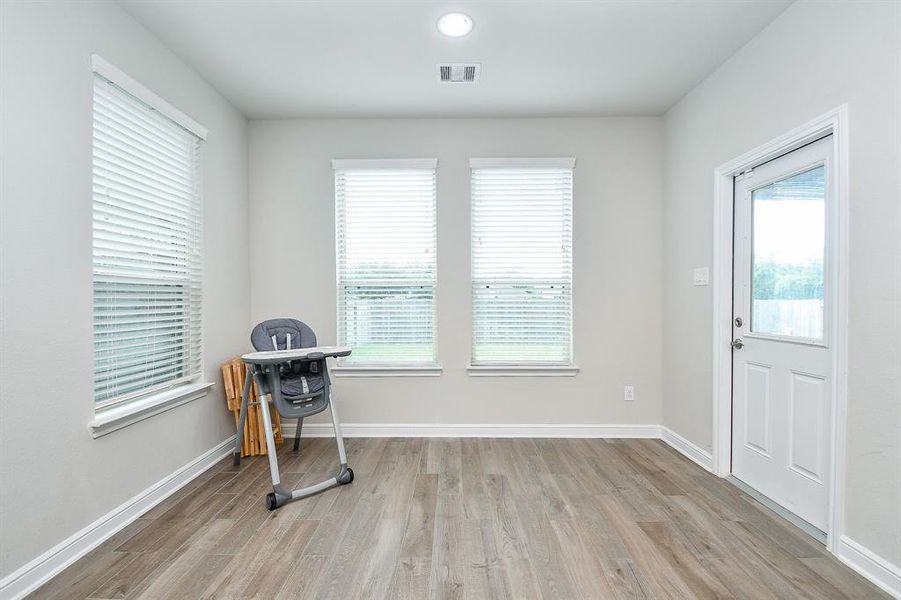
<point x="782" y="355"/>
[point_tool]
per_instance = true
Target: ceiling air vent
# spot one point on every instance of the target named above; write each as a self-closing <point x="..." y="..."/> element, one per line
<point x="459" y="73"/>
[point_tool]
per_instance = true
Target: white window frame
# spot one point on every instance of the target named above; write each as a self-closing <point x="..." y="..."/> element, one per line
<point x="120" y="412"/>
<point x="386" y="369"/>
<point x="521" y="368"/>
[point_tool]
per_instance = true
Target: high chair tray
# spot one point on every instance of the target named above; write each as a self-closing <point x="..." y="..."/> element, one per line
<point x="279" y="356"/>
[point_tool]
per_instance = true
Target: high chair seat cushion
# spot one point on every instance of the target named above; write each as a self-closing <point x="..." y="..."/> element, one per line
<point x="297" y="379"/>
<point x="302" y="335"/>
<point x="301" y="384"/>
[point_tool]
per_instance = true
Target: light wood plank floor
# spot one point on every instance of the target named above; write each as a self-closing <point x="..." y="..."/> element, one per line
<point x="464" y="518"/>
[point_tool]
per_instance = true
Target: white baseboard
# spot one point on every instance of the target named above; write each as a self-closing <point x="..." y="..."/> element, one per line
<point x="474" y="430"/>
<point x="881" y="572"/>
<point x="32" y="575"/>
<point x="690" y="450"/>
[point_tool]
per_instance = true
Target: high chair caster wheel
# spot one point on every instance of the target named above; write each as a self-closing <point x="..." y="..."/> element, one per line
<point x="271" y="503"/>
<point x="346" y="477"/>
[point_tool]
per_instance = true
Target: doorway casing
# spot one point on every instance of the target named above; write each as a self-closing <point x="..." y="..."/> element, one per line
<point x="834" y="122"/>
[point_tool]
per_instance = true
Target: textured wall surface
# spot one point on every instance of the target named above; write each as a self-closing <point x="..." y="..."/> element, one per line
<point x="56" y="478"/>
<point x="814" y="57"/>
<point x="617" y="256"/>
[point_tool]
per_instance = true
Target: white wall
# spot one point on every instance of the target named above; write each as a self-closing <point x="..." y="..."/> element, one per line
<point x="630" y="285"/>
<point x="56" y="479"/>
<point x="617" y="256"/>
<point x="814" y="57"/>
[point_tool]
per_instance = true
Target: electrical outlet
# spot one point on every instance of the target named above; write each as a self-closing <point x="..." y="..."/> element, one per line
<point x="629" y="393"/>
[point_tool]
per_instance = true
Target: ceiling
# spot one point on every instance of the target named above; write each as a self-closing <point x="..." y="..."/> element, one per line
<point x="377" y="58"/>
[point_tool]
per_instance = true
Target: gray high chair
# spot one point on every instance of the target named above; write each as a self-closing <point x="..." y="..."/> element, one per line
<point x="290" y="369"/>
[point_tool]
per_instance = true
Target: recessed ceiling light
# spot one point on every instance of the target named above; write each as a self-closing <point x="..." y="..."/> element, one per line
<point x="455" y="24"/>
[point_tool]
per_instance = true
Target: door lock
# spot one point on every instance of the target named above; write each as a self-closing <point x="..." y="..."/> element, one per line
<point x="738" y="344"/>
<point x="739" y="322"/>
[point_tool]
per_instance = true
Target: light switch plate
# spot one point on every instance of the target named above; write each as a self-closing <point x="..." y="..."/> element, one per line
<point x="701" y="276"/>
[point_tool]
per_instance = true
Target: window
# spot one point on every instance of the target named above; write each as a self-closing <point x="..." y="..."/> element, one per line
<point x="788" y="251"/>
<point x="146" y="226"/>
<point x="387" y="270"/>
<point x="522" y="261"/>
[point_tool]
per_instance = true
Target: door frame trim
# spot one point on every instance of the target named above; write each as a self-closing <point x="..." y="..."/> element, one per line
<point x="834" y="122"/>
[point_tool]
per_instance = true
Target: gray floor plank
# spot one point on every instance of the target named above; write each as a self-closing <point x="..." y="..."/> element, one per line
<point x="467" y="519"/>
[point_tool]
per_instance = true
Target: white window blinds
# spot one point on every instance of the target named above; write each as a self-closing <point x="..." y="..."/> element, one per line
<point x="386" y="263"/>
<point x="147" y="261"/>
<point x="522" y="261"/>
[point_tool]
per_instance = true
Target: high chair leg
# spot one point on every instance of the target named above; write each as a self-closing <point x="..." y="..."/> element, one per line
<point x="297" y="434"/>
<point x="339" y="439"/>
<point x="270" y="441"/>
<point x="279" y="495"/>
<point x="346" y="474"/>
<point x="242" y="418"/>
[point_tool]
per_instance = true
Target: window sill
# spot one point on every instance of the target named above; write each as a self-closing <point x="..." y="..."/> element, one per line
<point x="522" y="370"/>
<point x="115" y="418"/>
<point x="387" y="371"/>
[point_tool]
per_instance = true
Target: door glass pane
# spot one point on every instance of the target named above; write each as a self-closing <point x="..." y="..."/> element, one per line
<point x="787" y="258"/>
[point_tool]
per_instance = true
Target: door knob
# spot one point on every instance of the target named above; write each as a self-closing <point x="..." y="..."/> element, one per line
<point x="738" y="344"/>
